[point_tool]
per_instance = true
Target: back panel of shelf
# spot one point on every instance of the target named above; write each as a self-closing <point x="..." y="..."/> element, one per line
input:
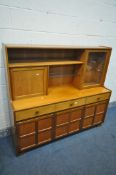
<point x="23" y="55"/>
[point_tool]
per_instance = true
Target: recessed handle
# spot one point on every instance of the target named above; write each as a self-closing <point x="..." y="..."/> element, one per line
<point x="37" y="113"/>
<point x="98" y="99"/>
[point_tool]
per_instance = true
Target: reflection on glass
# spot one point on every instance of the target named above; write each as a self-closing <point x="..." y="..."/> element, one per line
<point x="94" y="67"/>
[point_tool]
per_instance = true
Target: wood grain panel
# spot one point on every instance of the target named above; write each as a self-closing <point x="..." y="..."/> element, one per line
<point x="89" y="110"/>
<point x="98" y="118"/>
<point x="28" y="81"/>
<point x="97" y="98"/>
<point x="26" y="142"/>
<point x="101" y="107"/>
<point x="61" y="131"/>
<point x="62" y="118"/>
<point x="45" y="123"/>
<point x="26" y="128"/>
<point x="74" y="126"/>
<point x="76" y="114"/>
<point x="29" y="113"/>
<point x="45" y="136"/>
<point x="87" y="122"/>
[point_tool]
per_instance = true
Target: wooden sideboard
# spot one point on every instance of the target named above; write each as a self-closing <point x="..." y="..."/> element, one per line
<point x="55" y="91"/>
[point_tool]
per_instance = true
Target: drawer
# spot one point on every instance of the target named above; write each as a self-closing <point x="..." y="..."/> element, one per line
<point x="97" y="98"/>
<point x="29" y="113"/>
<point x="70" y="104"/>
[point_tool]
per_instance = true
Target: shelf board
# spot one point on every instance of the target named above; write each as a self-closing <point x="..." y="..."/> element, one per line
<point x="50" y="63"/>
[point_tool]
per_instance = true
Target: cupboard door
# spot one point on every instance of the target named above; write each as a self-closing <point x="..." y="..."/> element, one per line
<point x="100" y="112"/>
<point x="74" y="126"/>
<point x="62" y="118"/>
<point x="95" y="67"/>
<point x="45" y="123"/>
<point x="26" y="134"/>
<point x="25" y="128"/>
<point x="45" y="129"/>
<point x="87" y="122"/>
<point x="26" y="142"/>
<point x="61" y="124"/>
<point x="28" y="81"/>
<point x="90" y="110"/>
<point x="89" y="115"/>
<point x="75" y="119"/>
<point x="76" y="114"/>
<point x="44" y="136"/>
<point x="61" y="131"/>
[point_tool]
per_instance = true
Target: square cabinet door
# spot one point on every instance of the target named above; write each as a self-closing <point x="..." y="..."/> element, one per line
<point x="28" y="81"/>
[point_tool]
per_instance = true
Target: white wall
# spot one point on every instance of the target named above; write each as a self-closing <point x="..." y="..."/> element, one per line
<point x="69" y="22"/>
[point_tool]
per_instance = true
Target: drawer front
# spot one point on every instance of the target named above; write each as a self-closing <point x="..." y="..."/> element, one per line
<point x="97" y="98"/>
<point x="25" y="114"/>
<point x="70" y="104"/>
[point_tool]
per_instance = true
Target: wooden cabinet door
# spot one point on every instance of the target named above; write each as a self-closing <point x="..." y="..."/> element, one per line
<point x="26" y="135"/>
<point x="28" y="81"/>
<point x="75" y="119"/>
<point x="68" y="121"/>
<point x="45" y="129"/>
<point x="61" y="124"/>
<point x="100" y="112"/>
<point x="94" y="114"/>
<point x="89" y="116"/>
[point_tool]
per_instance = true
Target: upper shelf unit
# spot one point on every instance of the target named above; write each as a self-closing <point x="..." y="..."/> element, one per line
<point x="33" y="70"/>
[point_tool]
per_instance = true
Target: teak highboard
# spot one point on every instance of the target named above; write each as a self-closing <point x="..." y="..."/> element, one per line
<point x="55" y="91"/>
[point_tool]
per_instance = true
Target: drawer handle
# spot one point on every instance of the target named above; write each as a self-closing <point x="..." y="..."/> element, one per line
<point x="37" y="112"/>
<point x="98" y="98"/>
<point x="74" y="103"/>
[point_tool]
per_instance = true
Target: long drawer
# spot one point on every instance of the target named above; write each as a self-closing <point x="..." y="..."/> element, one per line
<point x="29" y="113"/>
<point x="70" y="104"/>
<point x="97" y="98"/>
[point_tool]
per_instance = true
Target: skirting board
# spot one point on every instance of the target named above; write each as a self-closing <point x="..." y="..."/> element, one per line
<point x="7" y="131"/>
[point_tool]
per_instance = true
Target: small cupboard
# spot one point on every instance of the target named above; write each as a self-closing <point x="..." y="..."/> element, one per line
<point x="96" y="66"/>
<point x="55" y="91"/>
<point x="28" y="81"/>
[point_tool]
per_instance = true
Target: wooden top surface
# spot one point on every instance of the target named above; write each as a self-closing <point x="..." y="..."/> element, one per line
<point x="56" y="94"/>
<point x="54" y="46"/>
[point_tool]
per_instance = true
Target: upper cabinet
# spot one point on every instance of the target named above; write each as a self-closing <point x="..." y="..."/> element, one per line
<point x="96" y="63"/>
<point x="28" y="81"/>
<point x="33" y="70"/>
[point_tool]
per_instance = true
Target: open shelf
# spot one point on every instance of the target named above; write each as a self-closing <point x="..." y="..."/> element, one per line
<point x="49" y="63"/>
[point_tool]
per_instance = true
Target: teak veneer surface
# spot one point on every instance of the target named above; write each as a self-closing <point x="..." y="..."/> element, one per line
<point x="54" y="46"/>
<point x="50" y="63"/>
<point x="55" y="95"/>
